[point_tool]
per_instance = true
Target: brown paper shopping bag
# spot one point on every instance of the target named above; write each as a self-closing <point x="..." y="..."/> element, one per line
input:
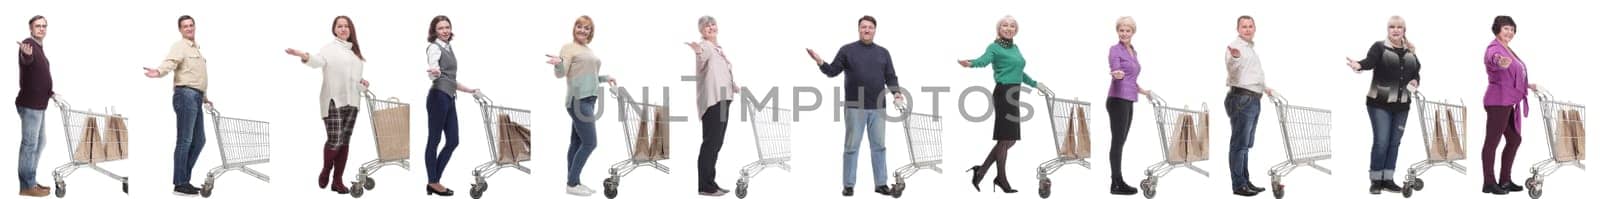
<point x="394" y="132"/>
<point x="116" y="139"/>
<point x="1578" y="134"/>
<point x="1178" y="147"/>
<point x="1436" y="150"/>
<point x="1067" y="141"/>
<point x="1082" y="134"/>
<point x="1200" y="145"/>
<point x="641" y="139"/>
<point x="87" y="141"/>
<point x="1454" y="137"/>
<point x="660" y="143"/>
<point x="513" y="141"/>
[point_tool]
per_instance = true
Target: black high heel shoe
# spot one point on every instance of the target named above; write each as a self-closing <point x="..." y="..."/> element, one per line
<point x="977" y="177"/>
<point x="446" y="192"/>
<point x="1004" y="187"/>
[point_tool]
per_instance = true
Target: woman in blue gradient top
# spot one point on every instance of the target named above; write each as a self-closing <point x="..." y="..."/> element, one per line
<point x="1008" y="77"/>
<point x="1395" y="74"/>
<point x="581" y="68"/>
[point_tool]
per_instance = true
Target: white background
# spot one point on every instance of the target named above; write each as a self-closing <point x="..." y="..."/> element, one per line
<point x="98" y="47"/>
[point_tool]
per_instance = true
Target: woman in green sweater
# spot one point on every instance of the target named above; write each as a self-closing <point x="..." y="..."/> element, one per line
<point x="1008" y="77"/>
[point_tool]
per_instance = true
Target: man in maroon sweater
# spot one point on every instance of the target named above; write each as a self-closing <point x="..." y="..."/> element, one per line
<point x="34" y="93"/>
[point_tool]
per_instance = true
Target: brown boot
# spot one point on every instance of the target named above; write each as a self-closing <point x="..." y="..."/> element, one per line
<point x="36" y="191"/>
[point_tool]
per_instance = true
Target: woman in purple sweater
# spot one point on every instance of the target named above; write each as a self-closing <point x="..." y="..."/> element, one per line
<point x="1505" y="98"/>
<point x="1125" y="90"/>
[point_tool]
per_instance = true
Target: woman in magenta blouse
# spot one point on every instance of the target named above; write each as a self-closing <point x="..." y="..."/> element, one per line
<point x="1125" y="90"/>
<point x="1505" y="98"/>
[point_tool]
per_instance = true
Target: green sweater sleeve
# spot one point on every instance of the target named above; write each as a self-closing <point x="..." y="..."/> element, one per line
<point x="987" y="58"/>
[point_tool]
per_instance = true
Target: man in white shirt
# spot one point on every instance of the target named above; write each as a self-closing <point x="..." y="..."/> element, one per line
<point x="1246" y="84"/>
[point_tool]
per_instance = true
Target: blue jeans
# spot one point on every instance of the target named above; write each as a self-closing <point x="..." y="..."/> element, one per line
<point x="871" y="121"/>
<point x="186" y="103"/>
<point x="1243" y="110"/>
<point x="441" y="123"/>
<point x="32" y="142"/>
<point x="1387" y="128"/>
<point x="583" y="137"/>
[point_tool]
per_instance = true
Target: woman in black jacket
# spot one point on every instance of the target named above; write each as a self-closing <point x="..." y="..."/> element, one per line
<point x="1395" y="76"/>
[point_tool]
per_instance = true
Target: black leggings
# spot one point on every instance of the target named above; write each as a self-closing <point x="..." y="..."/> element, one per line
<point x="1121" y="112"/>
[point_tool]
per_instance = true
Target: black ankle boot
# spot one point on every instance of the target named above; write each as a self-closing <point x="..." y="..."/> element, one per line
<point x="1120" y="188"/>
<point x="1493" y="189"/>
<point x="1390" y="186"/>
<point x="1376" y="188"/>
<point x="1510" y="187"/>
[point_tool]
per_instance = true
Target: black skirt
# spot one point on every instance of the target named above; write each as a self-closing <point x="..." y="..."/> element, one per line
<point x="1007" y="116"/>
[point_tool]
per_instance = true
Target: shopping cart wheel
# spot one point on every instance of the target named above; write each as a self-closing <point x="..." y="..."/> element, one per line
<point x="1149" y="186"/>
<point x="897" y="189"/>
<point x="1535" y="187"/>
<point x="1410" y="185"/>
<point x="205" y="189"/>
<point x="368" y="183"/>
<point x="357" y="192"/>
<point x="61" y="188"/>
<point x="478" y="189"/>
<point x="1277" y="189"/>
<point x="611" y="187"/>
<point x="1044" y="188"/>
<point x="743" y="188"/>
<point x="1419" y="184"/>
<point x="124" y="186"/>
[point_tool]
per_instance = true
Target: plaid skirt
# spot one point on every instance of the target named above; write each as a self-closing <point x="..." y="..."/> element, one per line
<point x="340" y="123"/>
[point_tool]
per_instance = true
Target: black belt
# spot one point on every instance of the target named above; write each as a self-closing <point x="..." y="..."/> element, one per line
<point x="1244" y="92"/>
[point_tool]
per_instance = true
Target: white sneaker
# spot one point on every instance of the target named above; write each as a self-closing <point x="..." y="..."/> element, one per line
<point x="580" y="190"/>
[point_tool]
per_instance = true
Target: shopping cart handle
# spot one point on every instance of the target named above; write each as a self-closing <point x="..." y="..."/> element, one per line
<point x="1278" y="98"/>
<point x="61" y="103"/>
<point x="481" y="98"/>
<point x="213" y="110"/>
<point x="1155" y="98"/>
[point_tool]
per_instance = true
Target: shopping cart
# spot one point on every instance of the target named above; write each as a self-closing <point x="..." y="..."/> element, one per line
<point x="924" y="137"/>
<point x="1455" y="125"/>
<point x="771" y="126"/>
<point x="391" y="130"/>
<point x="1307" y="134"/>
<point x="492" y="127"/>
<point x="1169" y="120"/>
<point x="75" y="127"/>
<point x="1552" y="110"/>
<point x="635" y="113"/>
<point x="244" y="142"/>
<point x="1062" y="115"/>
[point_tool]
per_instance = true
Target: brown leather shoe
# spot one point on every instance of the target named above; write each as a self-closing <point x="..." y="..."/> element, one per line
<point x="36" y="191"/>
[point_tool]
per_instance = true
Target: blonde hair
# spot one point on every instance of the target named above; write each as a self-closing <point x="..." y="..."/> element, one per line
<point x="1002" y="22"/>
<point x="1127" y="21"/>
<point x="1404" y="39"/>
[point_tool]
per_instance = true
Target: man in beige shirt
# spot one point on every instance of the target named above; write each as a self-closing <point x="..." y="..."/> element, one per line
<point x="188" y="93"/>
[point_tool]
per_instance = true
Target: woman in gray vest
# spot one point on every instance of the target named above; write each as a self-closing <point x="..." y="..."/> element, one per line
<point x="441" y="103"/>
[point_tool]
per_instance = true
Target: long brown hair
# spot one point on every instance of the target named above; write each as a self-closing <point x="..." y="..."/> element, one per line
<point x="434" y="34"/>
<point x="355" y="46"/>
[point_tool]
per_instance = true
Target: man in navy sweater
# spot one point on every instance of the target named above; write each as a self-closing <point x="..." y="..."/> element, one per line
<point x="868" y="72"/>
<point x="32" y="98"/>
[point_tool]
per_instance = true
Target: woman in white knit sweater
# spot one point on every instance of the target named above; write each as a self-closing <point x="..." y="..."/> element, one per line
<point x="341" y="63"/>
